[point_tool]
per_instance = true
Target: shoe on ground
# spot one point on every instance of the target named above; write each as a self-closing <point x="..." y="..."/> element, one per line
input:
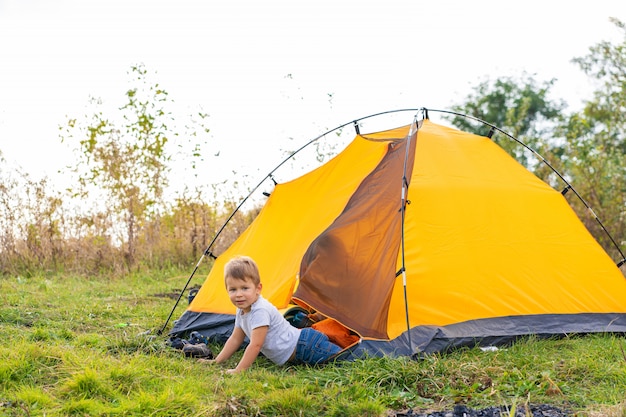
<point x="199" y="350"/>
<point x="177" y="343"/>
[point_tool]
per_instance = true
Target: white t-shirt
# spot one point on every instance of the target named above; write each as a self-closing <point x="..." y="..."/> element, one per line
<point x="282" y="337"/>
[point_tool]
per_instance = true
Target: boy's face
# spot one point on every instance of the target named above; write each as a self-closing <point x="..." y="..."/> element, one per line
<point x="242" y="293"/>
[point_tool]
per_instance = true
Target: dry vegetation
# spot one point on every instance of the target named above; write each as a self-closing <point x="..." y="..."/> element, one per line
<point x="39" y="234"/>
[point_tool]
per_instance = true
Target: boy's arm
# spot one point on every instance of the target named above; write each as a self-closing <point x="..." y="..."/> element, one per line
<point x="231" y="346"/>
<point x="257" y="339"/>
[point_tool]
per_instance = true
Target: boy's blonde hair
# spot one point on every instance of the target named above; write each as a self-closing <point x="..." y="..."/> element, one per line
<point x="242" y="267"/>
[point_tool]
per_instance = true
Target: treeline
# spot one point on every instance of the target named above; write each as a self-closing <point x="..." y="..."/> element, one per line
<point x="40" y="235"/>
<point x="116" y="216"/>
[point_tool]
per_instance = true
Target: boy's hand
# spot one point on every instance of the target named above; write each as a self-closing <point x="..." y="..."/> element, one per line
<point x="232" y="371"/>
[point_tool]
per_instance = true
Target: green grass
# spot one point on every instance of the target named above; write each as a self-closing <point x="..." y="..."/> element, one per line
<point x="75" y="347"/>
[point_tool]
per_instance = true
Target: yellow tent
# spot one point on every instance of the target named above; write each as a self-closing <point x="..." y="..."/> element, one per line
<point x="423" y="238"/>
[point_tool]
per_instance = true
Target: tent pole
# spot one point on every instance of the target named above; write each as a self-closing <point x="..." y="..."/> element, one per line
<point x="404" y="202"/>
<point x="207" y="252"/>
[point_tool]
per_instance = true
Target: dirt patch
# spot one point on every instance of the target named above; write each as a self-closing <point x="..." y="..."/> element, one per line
<point x="191" y="291"/>
<point x="172" y="295"/>
<point x="539" y="410"/>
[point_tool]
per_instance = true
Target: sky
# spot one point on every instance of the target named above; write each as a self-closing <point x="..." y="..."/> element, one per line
<point x="275" y="73"/>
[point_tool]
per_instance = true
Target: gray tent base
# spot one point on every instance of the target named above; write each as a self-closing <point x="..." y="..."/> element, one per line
<point x="217" y="327"/>
<point x="498" y="332"/>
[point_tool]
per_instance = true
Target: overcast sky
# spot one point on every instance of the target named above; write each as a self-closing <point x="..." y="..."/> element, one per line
<point x="264" y="70"/>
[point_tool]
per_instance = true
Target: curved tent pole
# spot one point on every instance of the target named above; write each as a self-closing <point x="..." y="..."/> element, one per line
<point x="425" y="111"/>
<point x="207" y="251"/>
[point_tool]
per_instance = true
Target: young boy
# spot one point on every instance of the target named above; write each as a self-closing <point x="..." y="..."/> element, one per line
<point x="266" y="328"/>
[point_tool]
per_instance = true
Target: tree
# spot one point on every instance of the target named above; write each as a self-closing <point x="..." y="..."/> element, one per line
<point x="588" y="147"/>
<point x="596" y="137"/>
<point x="30" y="222"/>
<point x="127" y="158"/>
<point x="9" y="213"/>
<point x="520" y="107"/>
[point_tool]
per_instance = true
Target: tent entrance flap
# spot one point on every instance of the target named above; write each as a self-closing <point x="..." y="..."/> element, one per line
<point x="368" y="234"/>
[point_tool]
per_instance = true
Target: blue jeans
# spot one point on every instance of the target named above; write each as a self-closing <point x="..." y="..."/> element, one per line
<point x="314" y="347"/>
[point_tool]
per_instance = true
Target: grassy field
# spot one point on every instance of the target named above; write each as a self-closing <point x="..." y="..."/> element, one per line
<point x="88" y="347"/>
